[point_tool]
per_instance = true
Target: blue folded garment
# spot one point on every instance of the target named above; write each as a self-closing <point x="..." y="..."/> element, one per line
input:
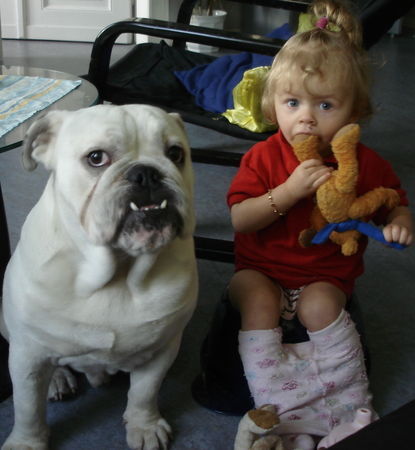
<point x="212" y="84"/>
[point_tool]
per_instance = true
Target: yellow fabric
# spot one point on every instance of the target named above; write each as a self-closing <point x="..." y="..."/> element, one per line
<point x="307" y="22"/>
<point x="247" y="102"/>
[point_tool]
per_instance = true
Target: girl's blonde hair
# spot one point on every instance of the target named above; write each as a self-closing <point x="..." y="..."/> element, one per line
<point x="331" y="51"/>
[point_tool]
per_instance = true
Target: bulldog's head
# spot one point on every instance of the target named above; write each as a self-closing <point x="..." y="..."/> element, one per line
<point x="121" y="175"/>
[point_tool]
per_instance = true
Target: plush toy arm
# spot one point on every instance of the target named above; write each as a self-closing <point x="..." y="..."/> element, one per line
<point x="306" y="147"/>
<point x="371" y="201"/>
<point x="317" y="222"/>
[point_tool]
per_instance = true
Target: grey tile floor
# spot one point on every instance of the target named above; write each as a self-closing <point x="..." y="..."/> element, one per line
<point x="385" y="292"/>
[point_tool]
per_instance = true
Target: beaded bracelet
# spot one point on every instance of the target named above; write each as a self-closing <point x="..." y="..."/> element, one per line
<point x="273" y="205"/>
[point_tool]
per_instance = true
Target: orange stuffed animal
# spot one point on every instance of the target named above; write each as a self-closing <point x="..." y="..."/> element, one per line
<point x="336" y="198"/>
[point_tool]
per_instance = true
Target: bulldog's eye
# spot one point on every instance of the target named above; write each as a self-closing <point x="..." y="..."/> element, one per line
<point x="176" y="154"/>
<point x="98" y="158"/>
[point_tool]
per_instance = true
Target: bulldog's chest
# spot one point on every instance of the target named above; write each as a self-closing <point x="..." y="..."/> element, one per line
<point x="125" y="320"/>
<point x="115" y="349"/>
<point x="121" y="343"/>
<point x="114" y="327"/>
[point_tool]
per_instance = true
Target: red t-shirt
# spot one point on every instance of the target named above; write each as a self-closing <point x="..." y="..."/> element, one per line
<point x="275" y="250"/>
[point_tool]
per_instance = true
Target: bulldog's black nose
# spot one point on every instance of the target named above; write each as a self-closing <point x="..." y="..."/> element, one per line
<point x="144" y="176"/>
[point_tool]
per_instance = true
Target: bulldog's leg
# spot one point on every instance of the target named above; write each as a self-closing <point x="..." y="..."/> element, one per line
<point x="31" y="374"/>
<point x="146" y="429"/>
<point x="63" y="384"/>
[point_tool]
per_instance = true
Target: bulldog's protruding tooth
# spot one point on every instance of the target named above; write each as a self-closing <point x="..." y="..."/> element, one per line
<point x="163" y="204"/>
<point x="133" y="206"/>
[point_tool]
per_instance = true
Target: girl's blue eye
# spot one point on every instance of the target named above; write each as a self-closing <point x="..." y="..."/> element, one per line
<point x="325" y="106"/>
<point x="292" y="103"/>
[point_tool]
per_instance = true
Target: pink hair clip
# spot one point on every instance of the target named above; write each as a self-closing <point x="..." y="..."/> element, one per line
<point x="322" y="22"/>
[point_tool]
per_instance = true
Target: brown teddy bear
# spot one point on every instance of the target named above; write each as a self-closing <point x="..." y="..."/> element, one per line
<point x="255" y="430"/>
<point x="258" y="430"/>
<point x="336" y="198"/>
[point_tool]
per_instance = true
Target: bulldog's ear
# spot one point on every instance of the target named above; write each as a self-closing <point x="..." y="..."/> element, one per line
<point x="38" y="139"/>
<point x="178" y="119"/>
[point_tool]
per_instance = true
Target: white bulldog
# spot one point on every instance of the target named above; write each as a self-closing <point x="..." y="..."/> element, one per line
<point x="104" y="276"/>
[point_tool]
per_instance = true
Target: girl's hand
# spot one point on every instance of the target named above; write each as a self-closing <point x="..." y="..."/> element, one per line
<point x="306" y="178"/>
<point x="400" y="226"/>
<point x="395" y="232"/>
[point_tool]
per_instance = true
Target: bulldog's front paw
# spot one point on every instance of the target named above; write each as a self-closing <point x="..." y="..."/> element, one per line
<point x="152" y="437"/>
<point x="13" y="443"/>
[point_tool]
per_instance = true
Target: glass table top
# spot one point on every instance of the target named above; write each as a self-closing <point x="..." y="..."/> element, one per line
<point x="84" y="95"/>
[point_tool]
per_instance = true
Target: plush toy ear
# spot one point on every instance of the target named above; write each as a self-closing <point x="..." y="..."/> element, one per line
<point x="39" y="138"/>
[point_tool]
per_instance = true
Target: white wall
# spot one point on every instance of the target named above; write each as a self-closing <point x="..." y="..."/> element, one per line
<point x="66" y="20"/>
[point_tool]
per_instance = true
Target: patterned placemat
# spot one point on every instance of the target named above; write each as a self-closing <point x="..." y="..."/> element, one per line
<point x="21" y="97"/>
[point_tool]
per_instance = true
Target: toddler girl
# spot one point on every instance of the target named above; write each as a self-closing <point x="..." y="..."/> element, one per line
<point x="317" y="84"/>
